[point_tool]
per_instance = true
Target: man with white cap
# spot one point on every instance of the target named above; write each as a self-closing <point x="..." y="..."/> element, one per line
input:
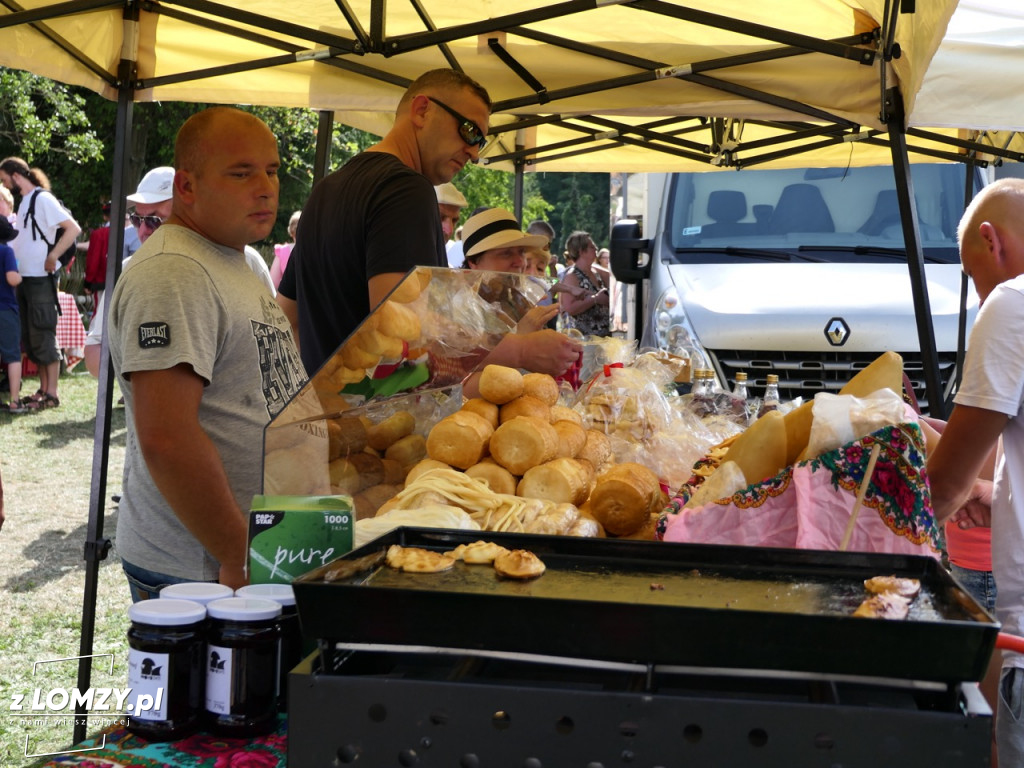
<point x="450" y="203"/>
<point x="152" y="207"/>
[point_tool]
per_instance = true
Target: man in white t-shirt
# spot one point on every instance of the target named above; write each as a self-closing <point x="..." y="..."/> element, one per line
<point x="205" y="358"/>
<point x="990" y="412"/>
<point x="450" y="203"/>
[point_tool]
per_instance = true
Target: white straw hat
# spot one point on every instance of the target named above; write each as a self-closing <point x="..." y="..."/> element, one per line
<point x="155" y="187"/>
<point x="448" y="194"/>
<point x="495" y="228"/>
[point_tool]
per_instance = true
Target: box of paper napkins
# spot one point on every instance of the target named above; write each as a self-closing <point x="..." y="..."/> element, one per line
<point x="290" y="535"/>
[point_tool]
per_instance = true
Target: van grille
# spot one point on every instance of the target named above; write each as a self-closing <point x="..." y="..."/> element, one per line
<point x="804" y="374"/>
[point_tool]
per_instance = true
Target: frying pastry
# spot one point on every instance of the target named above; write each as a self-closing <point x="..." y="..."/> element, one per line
<point x="904" y="587"/>
<point x="417" y="560"/>
<point x="518" y="564"/>
<point x="885" y="605"/>
<point x="477" y="553"/>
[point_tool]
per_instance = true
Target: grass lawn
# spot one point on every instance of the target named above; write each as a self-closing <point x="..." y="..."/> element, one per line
<point x="46" y="459"/>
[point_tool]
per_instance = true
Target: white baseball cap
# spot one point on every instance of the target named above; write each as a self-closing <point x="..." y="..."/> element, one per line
<point x="155" y="187"/>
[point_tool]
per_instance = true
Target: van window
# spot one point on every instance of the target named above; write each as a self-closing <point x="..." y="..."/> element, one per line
<point x="812" y="214"/>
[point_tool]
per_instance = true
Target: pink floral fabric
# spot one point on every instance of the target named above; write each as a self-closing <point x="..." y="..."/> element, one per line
<point x="809" y="505"/>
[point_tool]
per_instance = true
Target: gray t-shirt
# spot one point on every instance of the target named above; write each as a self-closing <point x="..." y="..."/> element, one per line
<point x="184" y="299"/>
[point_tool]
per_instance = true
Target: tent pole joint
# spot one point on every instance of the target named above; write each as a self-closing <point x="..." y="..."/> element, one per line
<point x="97" y="549"/>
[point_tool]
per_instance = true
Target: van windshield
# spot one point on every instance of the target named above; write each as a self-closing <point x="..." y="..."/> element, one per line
<point x="812" y="214"/>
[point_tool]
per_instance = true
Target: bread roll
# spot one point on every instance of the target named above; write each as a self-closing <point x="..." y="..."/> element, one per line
<point x="597" y="450"/>
<point x="586" y="525"/>
<point x="571" y="438"/>
<point x="354" y="473"/>
<point x="499" y="384"/>
<point x="357" y="358"/>
<point x="377" y="343"/>
<point x="562" y="480"/>
<point x="525" y="405"/>
<point x="498" y="479"/>
<point x="646" y="532"/>
<point x="424" y="466"/>
<point x="369" y="500"/>
<point x="398" y="320"/>
<point x="460" y="439"/>
<point x="542" y="386"/>
<point x="554" y="522"/>
<point x="407" y="450"/>
<point x="624" y="498"/>
<point x="411" y="286"/>
<point x="345" y="436"/>
<point x="564" y="413"/>
<point x="483" y="408"/>
<point x="395" y="427"/>
<point x="522" y="443"/>
<point x="394" y="472"/>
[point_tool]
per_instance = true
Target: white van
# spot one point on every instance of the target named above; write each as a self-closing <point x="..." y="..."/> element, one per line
<point x="797" y="272"/>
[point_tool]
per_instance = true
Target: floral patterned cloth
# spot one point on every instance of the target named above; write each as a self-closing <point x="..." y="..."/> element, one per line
<point x="201" y="750"/>
<point x="809" y="505"/>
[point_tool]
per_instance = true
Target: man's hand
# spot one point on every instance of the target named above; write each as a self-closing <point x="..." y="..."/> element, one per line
<point x="51" y="264"/>
<point x="232" y="576"/>
<point x="537" y="318"/>
<point x="976" y="511"/>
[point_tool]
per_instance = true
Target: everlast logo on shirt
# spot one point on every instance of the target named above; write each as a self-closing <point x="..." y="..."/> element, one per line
<point x="154" y="335"/>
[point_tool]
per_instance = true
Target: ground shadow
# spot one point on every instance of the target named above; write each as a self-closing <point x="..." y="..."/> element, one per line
<point x="60" y="434"/>
<point x="56" y="553"/>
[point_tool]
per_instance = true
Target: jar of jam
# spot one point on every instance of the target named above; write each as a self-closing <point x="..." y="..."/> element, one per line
<point x="289" y="633"/>
<point x="165" y="668"/>
<point x="241" y="666"/>
<point x="202" y="592"/>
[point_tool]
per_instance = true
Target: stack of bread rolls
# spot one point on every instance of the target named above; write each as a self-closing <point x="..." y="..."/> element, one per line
<point x="517" y="440"/>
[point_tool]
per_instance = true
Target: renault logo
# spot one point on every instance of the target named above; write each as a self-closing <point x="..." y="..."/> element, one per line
<point x="837" y="331"/>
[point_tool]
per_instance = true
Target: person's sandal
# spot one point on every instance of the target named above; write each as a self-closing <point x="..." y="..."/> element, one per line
<point x="17" y="406"/>
<point x="46" y="401"/>
<point x="35" y="397"/>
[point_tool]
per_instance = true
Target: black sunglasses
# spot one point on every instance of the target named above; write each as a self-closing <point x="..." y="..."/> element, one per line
<point x="469" y="131"/>
<point x="150" y="221"/>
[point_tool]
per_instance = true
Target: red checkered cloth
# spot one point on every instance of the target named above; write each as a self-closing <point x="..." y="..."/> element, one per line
<point x="70" y="328"/>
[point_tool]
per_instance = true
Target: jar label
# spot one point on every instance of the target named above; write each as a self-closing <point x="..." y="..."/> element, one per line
<point x="148" y="674"/>
<point x="219" y="663"/>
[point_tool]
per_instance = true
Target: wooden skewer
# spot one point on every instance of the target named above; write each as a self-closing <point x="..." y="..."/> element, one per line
<point x="861" y="493"/>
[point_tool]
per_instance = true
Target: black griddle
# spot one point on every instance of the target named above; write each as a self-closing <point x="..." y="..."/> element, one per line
<point x="657" y="603"/>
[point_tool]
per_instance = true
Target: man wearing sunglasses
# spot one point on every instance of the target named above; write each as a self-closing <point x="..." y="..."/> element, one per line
<point x="151" y="207"/>
<point x="368" y="223"/>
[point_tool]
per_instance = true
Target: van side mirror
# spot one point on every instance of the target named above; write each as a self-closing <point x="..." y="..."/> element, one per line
<point x="627" y="245"/>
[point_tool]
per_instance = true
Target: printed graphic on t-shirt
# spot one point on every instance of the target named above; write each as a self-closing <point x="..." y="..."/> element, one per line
<point x="154" y="335"/>
<point x="281" y="371"/>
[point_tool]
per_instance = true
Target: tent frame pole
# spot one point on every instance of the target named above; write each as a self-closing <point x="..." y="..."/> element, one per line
<point x="97" y="546"/>
<point x="915" y="255"/>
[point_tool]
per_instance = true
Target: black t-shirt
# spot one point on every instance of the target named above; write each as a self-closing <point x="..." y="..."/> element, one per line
<point x="373" y="216"/>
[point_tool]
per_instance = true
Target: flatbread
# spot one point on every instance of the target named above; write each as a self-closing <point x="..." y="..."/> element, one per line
<point x="418" y="560"/>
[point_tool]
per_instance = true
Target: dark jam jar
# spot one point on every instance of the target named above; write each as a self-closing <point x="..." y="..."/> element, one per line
<point x="165" y="668"/>
<point x="241" y="666"/>
<point x="290" y="635"/>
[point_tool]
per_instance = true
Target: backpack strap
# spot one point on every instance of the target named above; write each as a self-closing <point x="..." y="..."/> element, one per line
<point x="31" y="213"/>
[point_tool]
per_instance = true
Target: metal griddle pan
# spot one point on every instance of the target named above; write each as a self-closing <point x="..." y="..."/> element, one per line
<point x="657" y="603"/>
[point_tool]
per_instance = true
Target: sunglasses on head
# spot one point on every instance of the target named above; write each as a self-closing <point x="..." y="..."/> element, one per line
<point x="150" y="221"/>
<point x="469" y="131"/>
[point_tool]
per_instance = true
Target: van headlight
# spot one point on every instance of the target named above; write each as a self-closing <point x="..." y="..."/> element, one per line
<point x="670" y="330"/>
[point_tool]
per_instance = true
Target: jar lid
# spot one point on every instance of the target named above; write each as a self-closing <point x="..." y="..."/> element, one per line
<point x="279" y="593"/>
<point x="201" y="592"/>
<point x="244" y="609"/>
<point x="167" y="612"/>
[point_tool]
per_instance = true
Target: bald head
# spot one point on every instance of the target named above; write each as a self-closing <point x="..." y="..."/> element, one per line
<point x="991" y="235"/>
<point x="209" y="127"/>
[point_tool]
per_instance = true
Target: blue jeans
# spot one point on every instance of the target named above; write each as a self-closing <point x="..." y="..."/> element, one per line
<point x="980" y="584"/>
<point x="145" y="584"/>
<point x="1009" y="720"/>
